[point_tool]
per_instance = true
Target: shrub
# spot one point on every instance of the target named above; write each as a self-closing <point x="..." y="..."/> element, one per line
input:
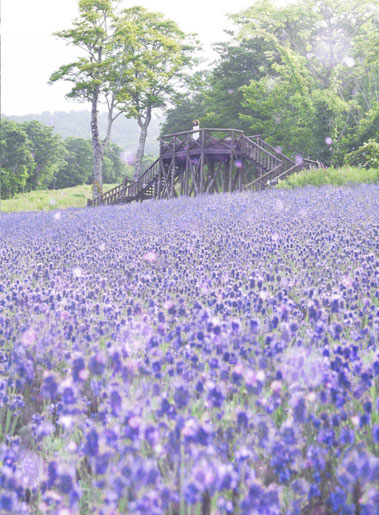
<point x="331" y="176"/>
<point x="366" y="156"/>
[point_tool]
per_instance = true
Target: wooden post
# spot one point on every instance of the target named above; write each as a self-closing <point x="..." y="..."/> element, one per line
<point x="160" y="164"/>
<point x="173" y="166"/>
<point x="201" y="185"/>
<point x="159" y="179"/>
<point x="230" y="187"/>
<point x="211" y="173"/>
<point x="186" y="170"/>
<point x="224" y="177"/>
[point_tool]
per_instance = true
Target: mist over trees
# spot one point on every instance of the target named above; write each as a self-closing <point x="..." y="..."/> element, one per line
<point x="305" y="76"/>
<point x="77" y="124"/>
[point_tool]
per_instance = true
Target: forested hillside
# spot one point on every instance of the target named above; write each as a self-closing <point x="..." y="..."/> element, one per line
<point x="53" y="150"/>
<point x="77" y="124"/>
<point x="34" y="157"/>
<point x="305" y="76"/>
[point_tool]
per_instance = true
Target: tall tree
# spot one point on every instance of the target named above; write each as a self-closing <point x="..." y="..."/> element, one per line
<point x="239" y="62"/>
<point x="94" y="75"/>
<point x="48" y="152"/>
<point x="152" y="53"/>
<point x="78" y="164"/>
<point x="16" y="159"/>
<point x="313" y="110"/>
<point x="114" y="169"/>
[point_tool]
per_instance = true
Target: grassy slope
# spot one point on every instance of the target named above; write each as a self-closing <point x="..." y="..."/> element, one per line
<point x="77" y="197"/>
<point x="51" y="199"/>
<point x="332" y="176"/>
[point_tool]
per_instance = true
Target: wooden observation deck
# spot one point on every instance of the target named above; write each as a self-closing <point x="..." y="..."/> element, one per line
<point x="207" y="161"/>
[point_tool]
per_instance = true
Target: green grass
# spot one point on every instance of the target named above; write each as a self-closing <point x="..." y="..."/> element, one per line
<point x="51" y="199"/>
<point x="332" y="176"/>
<point x="77" y="197"/>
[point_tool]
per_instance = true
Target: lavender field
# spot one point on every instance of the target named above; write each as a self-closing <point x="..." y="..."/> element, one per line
<point x="196" y="356"/>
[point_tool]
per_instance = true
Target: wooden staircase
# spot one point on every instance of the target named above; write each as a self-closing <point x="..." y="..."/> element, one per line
<point x="276" y="173"/>
<point x="142" y="189"/>
<point x="270" y="163"/>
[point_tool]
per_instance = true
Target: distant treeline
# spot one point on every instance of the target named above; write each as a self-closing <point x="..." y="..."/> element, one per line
<point x="34" y="157"/>
<point x="304" y="75"/>
<point x="125" y="132"/>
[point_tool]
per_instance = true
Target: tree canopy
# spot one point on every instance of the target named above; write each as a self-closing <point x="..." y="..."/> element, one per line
<point x="32" y="158"/>
<point x="305" y="76"/>
<point x="153" y="53"/>
<point x="127" y="61"/>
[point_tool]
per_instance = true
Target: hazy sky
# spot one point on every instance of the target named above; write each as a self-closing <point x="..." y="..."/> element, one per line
<point x="30" y="53"/>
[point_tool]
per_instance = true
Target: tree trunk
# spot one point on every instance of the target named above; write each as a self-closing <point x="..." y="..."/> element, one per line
<point x="99" y="147"/>
<point x="143" y="125"/>
<point x="97" y="189"/>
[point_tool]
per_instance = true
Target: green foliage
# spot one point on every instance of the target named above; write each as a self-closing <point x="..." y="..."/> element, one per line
<point x="311" y="85"/>
<point x="223" y="101"/>
<point x="33" y="157"/>
<point x="283" y="106"/>
<point x="151" y="53"/>
<point x="16" y="159"/>
<point x="305" y="76"/>
<point x="78" y="165"/>
<point x="115" y="170"/>
<point x="331" y="176"/>
<point x="130" y="61"/>
<point x="186" y="107"/>
<point x="366" y="156"/>
<point x="48" y="153"/>
<point x="96" y="75"/>
<point x="90" y="32"/>
<point x="76" y="124"/>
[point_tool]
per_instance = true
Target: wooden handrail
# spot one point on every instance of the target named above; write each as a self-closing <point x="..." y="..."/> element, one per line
<point x="264" y="144"/>
<point x="312" y="164"/>
<point x="118" y="191"/>
<point x="295" y="168"/>
<point x="199" y="130"/>
<point x="261" y="148"/>
<point x="263" y="178"/>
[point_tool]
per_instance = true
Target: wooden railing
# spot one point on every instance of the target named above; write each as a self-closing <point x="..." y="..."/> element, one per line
<point x="109" y="196"/>
<point x="167" y="137"/>
<point x="131" y="190"/>
<point x="207" y="137"/>
<point x="286" y="161"/>
<point x="147" y="179"/>
<point x="260" y="183"/>
<point x="309" y="164"/>
<point x="306" y="164"/>
<point x="272" y="177"/>
<point x="259" y="154"/>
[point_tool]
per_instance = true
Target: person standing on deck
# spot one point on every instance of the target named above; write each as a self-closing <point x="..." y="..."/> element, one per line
<point x="196" y="127"/>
